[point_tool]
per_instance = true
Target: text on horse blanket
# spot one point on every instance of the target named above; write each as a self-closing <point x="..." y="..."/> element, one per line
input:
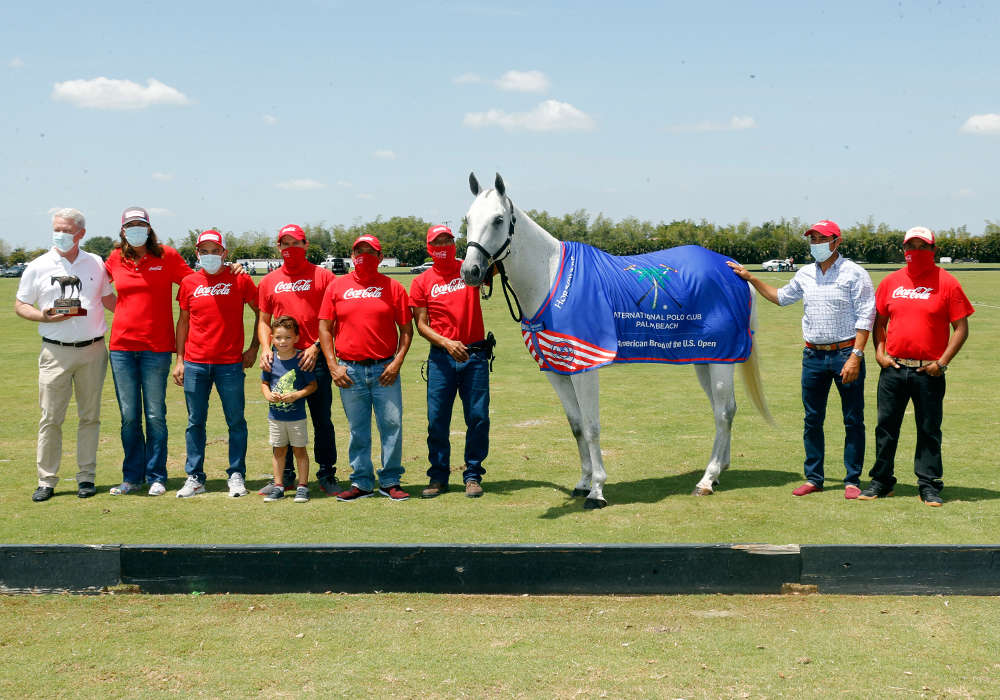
<point x="681" y="305"/>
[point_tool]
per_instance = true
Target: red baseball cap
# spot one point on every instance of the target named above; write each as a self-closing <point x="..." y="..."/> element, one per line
<point x="924" y="234"/>
<point x="370" y="240"/>
<point x="825" y="228"/>
<point x="210" y="236"/>
<point x="435" y="231"/>
<point x="293" y="230"/>
<point x="135" y="214"/>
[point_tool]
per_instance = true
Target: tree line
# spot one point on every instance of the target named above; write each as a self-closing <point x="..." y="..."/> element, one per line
<point x="403" y="237"/>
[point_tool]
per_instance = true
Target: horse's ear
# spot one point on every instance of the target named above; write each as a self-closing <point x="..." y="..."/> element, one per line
<point x="501" y="188"/>
<point x="474" y="184"/>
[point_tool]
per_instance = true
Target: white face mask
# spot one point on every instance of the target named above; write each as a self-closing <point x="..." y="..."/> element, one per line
<point x="63" y="241"/>
<point x="210" y="263"/>
<point x="820" y="251"/>
<point x="136" y="235"/>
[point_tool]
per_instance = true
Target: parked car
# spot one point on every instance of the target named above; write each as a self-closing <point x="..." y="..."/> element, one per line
<point x="338" y="266"/>
<point x="777" y="265"/>
<point x="14" y="270"/>
<point x="422" y="267"/>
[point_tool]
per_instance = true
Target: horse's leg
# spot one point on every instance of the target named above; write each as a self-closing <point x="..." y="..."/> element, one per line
<point x="588" y="398"/>
<point x="567" y="395"/>
<point x="717" y="381"/>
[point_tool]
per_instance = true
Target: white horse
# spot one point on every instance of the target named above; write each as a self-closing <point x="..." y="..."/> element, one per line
<point x="499" y="231"/>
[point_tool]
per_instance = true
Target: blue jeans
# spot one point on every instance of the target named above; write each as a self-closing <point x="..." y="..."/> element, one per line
<point x="360" y="399"/>
<point x="819" y="369"/>
<point x="141" y="387"/>
<point x="228" y="380"/>
<point x="446" y="376"/>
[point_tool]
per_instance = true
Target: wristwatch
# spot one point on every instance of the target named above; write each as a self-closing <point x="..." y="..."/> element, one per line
<point x="942" y="366"/>
<point x="857" y="353"/>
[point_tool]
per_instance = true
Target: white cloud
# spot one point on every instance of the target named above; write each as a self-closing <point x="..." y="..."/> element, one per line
<point x="365" y="195"/>
<point x="735" y="123"/>
<point x="982" y="124"/>
<point x="301" y="185"/>
<point x="163" y="177"/>
<point x="107" y="93"/>
<point x="270" y="119"/>
<point x="550" y="115"/>
<point x="15" y="63"/>
<point x="344" y="183"/>
<point x="385" y="154"/>
<point x="965" y="193"/>
<point x="523" y="81"/>
<point x="157" y="211"/>
<point x="467" y="79"/>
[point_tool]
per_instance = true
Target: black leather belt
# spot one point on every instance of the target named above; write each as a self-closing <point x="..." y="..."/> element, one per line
<point x="369" y="362"/>
<point x="81" y="344"/>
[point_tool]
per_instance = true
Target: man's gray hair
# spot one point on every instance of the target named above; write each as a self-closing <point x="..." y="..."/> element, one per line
<point x="74" y="215"/>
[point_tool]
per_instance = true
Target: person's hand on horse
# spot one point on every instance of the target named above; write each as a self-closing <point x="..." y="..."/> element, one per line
<point x="457" y="349"/>
<point x="389" y="374"/>
<point x="338" y="373"/>
<point x="740" y="271"/>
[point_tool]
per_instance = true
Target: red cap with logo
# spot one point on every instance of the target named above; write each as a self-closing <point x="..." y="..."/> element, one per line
<point x="210" y="236"/>
<point x="825" y="228"/>
<point x="293" y="230"/>
<point x="370" y="240"/>
<point x="924" y="234"/>
<point x="435" y="231"/>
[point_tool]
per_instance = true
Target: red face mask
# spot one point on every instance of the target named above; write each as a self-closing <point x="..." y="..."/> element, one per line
<point x="919" y="261"/>
<point x="365" y="265"/>
<point x="294" y="257"/>
<point x="443" y="256"/>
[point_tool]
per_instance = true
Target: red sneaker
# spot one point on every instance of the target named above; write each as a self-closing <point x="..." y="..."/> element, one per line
<point x="394" y="492"/>
<point x="851" y="492"/>
<point x="353" y="494"/>
<point x="807" y="488"/>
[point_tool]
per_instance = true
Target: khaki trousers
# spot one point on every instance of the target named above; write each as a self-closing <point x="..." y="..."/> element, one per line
<point x="61" y="371"/>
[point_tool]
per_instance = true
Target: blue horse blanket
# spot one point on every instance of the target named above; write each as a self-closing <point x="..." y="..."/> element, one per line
<point x="681" y="305"/>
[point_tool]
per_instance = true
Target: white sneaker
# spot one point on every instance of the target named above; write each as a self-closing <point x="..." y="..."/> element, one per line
<point x="237" y="486"/>
<point x="191" y="487"/>
<point x="157" y="488"/>
<point x="124" y="488"/>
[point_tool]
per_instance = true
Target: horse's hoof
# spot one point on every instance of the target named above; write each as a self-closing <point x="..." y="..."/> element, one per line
<point x="594" y="503"/>
<point x="699" y="491"/>
<point x="578" y="493"/>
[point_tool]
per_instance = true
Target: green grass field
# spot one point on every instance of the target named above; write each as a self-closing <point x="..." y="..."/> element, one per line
<point x="657" y="432"/>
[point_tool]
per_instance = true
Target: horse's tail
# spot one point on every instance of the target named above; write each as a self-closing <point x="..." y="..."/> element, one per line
<point x="751" y="368"/>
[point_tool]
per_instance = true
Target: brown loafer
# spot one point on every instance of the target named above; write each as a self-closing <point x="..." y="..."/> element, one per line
<point x="473" y="489"/>
<point x="435" y="488"/>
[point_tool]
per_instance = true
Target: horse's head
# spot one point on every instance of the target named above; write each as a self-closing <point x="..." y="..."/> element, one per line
<point x="489" y="226"/>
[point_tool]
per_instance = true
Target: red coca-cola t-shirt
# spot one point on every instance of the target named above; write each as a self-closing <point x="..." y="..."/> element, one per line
<point x="364" y="316"/>
<point x="144" y="316"/>
<point x="298" y="295"/>
<point x="215" y="325"/>
<point x="453" y="308"/>
<point x="920" y="311"/>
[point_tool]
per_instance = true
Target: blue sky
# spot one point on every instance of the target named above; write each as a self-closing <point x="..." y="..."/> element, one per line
<point x="250" y="115"/>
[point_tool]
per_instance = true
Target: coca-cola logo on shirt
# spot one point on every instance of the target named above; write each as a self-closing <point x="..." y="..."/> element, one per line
<point x="902" y="292"/>
<point x="367" y="293"/>
<point x="453" y="286"/>
<point x="220" y="289"/>
<point x="296" y="286"/>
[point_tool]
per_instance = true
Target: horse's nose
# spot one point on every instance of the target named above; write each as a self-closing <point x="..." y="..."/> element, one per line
<point x="472" y="273"/>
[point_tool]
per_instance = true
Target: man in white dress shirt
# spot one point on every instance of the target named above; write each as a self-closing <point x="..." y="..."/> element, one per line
<point x="73" y="354"/>
<point x="839" y="309"/>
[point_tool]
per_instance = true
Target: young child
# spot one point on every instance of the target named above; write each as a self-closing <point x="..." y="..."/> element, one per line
<point x="285" y="387"/>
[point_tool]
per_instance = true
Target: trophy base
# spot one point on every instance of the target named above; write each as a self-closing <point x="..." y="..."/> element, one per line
<point x="65" y="307"/>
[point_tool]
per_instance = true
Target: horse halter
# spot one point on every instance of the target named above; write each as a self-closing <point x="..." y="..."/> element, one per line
<point x="491" y="258"/>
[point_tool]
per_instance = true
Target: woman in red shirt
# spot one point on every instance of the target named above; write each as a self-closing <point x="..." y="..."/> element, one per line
<point x="142" y="341"/>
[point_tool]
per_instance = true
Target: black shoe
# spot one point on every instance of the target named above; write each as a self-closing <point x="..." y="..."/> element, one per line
<point x="875" y="490"/>
<point x="930" y="497"/>
<point x="328" y="482"/>
<point x="85" y="489"/>
<point x="42" y="493"/>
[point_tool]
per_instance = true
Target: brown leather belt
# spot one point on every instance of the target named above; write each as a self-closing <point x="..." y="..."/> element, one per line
<point x="831" y="346"/>
<point x="906" y="362"/>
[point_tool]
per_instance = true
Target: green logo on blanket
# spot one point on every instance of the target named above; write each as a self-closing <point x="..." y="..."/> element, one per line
<point x="655" y="276"/>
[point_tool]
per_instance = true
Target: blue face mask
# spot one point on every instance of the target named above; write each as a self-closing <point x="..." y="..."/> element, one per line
<point x="820" y="251"/>
<point x="136" y="235"/>
<point x="210" y="263"/>
<point x="63" y="241"/>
